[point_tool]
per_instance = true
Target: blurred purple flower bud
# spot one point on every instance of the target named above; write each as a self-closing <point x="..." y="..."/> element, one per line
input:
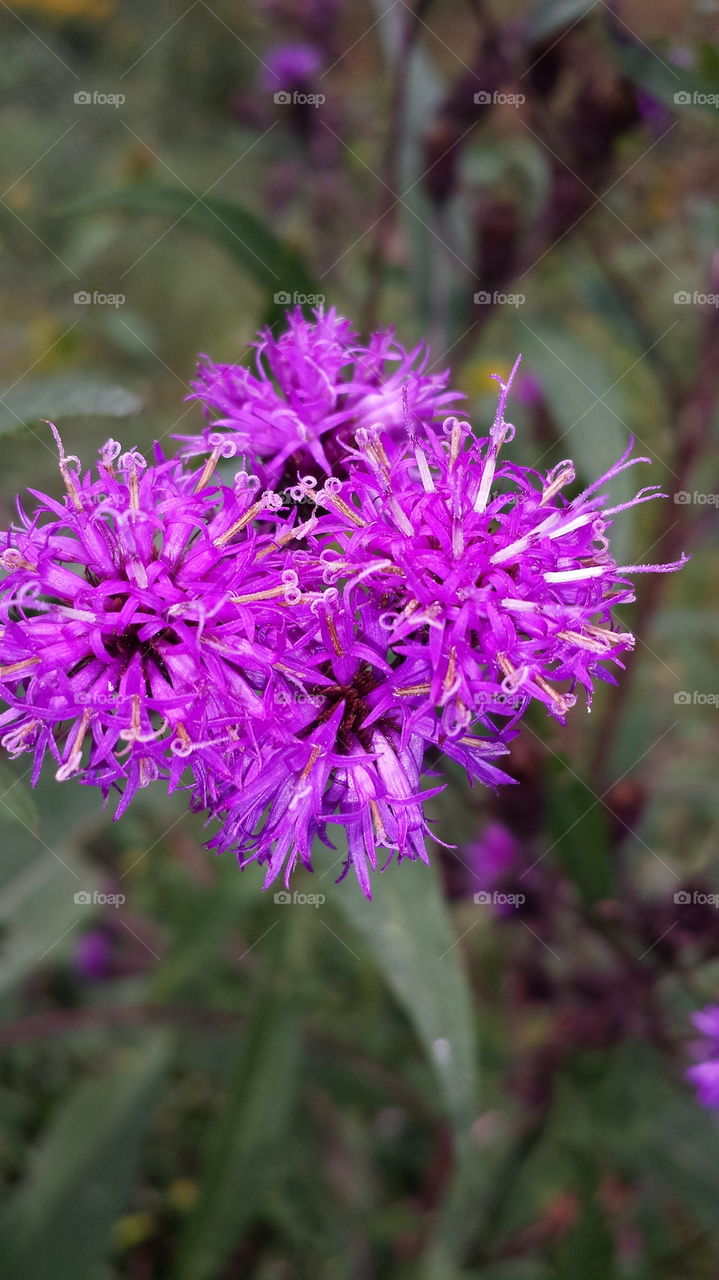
<point x="705" y="1075"/>
<point x="287" y="66"/>
<point x="530" y="391"/>
<point x="493" y="856"/>
<point x="91" y="958"/>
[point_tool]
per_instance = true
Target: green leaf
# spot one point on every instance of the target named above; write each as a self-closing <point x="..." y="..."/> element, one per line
<point x="680" y="88"/>
<point x="589" y="1249"/>
<point x="246" y="1141"/>
<point x="589" y="409"/>
<point x="247" y="237"/>
<point x="16" y="800"/>
<point x="40" y="876"/>
<point x="65" y="396"/>
<point x="58" y="1222"/>
<point x="682" y="1160"/>
<point x="578" y="835"/>
<point x="408" y="932"/>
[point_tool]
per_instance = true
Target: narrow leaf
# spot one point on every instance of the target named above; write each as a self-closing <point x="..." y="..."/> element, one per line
<point x="408" y="932"/>
<point x="65" y="396"/>
<point x="247" y="237"/>
<point x="58" y="1222"/>
<point x="245" y="1144"/>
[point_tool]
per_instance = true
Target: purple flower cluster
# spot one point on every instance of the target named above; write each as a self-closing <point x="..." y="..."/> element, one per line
<point x="370" y="593"/>
<point x="314" y="386"/>
<point x="705" y="1075"/>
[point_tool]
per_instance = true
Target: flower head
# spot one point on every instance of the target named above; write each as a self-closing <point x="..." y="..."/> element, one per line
<point x="304" y="666"/>
<point x="348" y="749"/>
<point x="140" y="619"/>
<point x="290" y="66"/>
<point x="312" y="388"/>
<point x="705" y="1075"/>
<point x="496" y="588"/>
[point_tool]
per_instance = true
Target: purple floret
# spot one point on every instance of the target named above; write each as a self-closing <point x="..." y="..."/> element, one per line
<point x="312" y="388"/>
<point x="141" y="616"/>
<point x="705" y="1075"/>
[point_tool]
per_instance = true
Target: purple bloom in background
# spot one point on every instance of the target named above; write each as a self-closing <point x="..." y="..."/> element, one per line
<point x="705" y="1075"/>
<point x="313" y="387"/>
<point x="530" y="391"/>
<point x="493" y="856"/>
<point x="656" y="116"/>
<point x="92" y="956"/>
<point x="289" y="66"/>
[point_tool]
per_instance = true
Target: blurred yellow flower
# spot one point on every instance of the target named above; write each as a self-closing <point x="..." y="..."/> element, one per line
<point x="182" y="1194"/>
<point x="132" y="1230"/>
<point x="477" y="377"/>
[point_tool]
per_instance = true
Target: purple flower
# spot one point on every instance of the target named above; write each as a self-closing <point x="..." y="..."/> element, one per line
<point x="349" y="750"/>
<point x="530" y="391"/>
<point x="493" y="856"/>
<point x="140" y="619"/>
<point x="494" y="588"/>
<point x="705" y="1075"/>
<point x="92" y="956"/>
<point x="301" y="650"/>
<point x="290" y="66"/>
<point x="314" y="386"/>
